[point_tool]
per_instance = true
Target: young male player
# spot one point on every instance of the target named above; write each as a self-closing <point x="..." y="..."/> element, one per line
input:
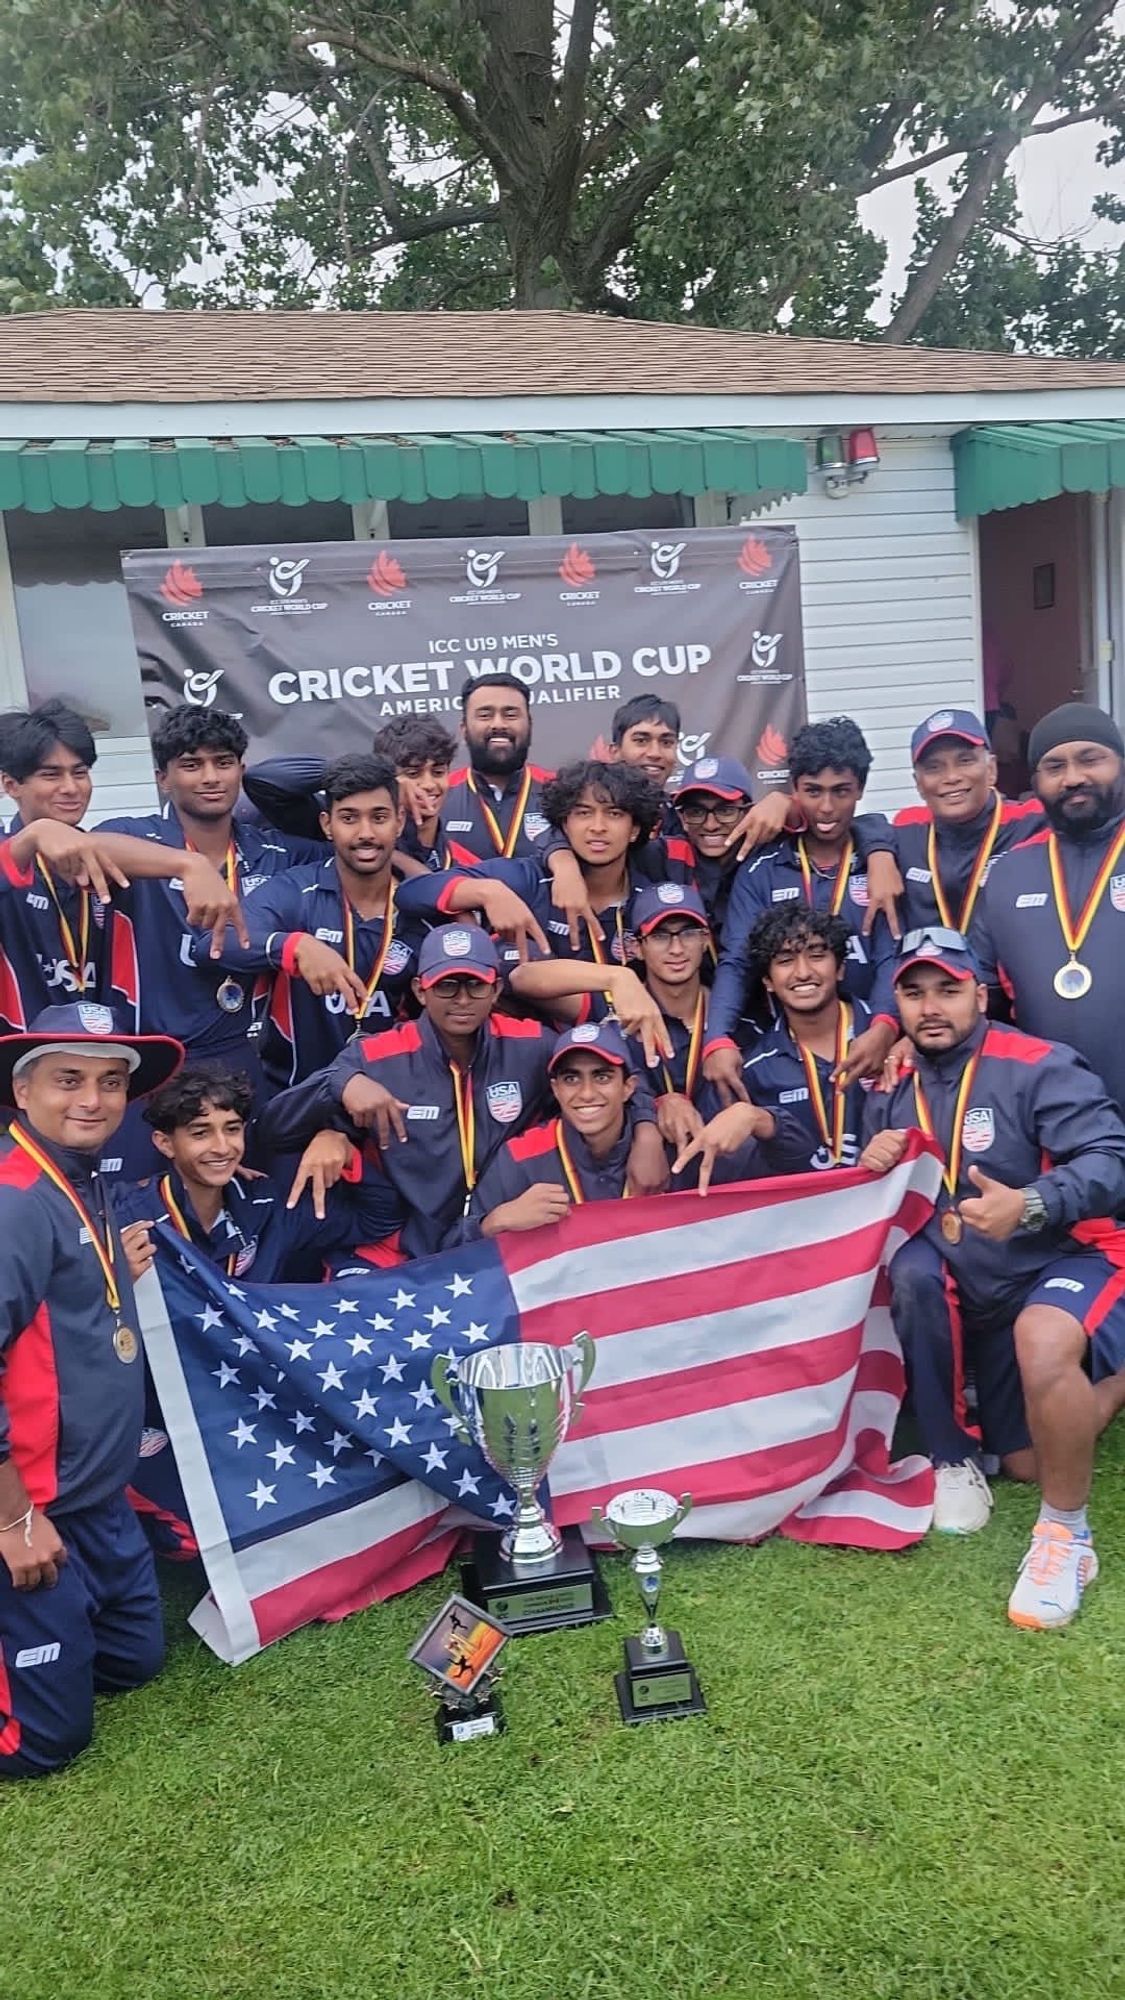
<point x="1033" y="1151"/>
<point x="422" y="752"/>
<point x="79" y="1607"/>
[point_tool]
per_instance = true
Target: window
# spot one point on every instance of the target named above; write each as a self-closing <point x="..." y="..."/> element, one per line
<point x="456" y="519"/>
<point x="260" y="524"/>
<point x="616" y="513"/>
<point x="74" y="625"/>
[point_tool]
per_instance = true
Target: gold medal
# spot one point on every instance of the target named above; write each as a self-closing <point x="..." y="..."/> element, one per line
<point x="951" y="1226"/>
<point x="1073" y="981"/>
<point x="125" y="1344"/>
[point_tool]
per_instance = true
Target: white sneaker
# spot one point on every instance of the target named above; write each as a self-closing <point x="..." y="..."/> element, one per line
<point x="1053" y="1575"/>
<point x="962" y="1499"/>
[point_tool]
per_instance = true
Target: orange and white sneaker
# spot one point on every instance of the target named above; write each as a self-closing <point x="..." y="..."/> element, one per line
<point x="1053" y="1575"/>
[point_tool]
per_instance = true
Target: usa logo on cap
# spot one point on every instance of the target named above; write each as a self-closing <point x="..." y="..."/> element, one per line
<point x="670" y="892"/>
<point x="978" y="1128"/>
<point x="587" y="1033"/>
<point x="942" y="721"/>
<point x="456" y="944"/>
<point x="95" y="1020"/>
<point x="707" y="768"/>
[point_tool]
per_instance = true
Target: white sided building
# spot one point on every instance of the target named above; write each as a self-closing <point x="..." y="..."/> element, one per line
<point x="961" y="516"/>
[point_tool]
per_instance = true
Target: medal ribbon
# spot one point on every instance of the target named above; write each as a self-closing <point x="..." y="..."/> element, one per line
<point x="833" y="1135"/>
<point x="73" y="951"/>
<point x="601" y="957"/>
<point x="466" y="1122"/>
<point x="1075" y="934"/>
<point x="980" y="869"/>
<point x="951" y="1172"/>
<point x="103" y="1246"/>
<point x="839" y="887"/>
<point x="179" y="1221"/>
<point x="504" y="847"/>
<point x="695" y="1051"/>
<point x="570" y="1171"/>
<point x="229" y="869"/>
<point x="349" y="946"/>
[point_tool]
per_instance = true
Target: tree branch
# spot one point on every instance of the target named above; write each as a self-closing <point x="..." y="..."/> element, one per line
<point x="1105" y="109"/>
<point x="623" y="205"/>
<point x="576" y="66"/>
<point x="438" y="81"/>
<point x="619" y="123"/>
<point x="922" y="288"/>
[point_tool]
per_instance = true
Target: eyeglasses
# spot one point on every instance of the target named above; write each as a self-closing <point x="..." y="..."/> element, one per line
<point x="459" y="982"/>
<point x="724" y="812"/>
<point x="934" y="938"/>
<point x="672" y="933"/>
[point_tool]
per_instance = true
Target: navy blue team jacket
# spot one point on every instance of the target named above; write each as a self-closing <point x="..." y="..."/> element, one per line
<point x="256" y="1235"/>
<point x="775" y="1078"/>
<point x="957" y="850"/>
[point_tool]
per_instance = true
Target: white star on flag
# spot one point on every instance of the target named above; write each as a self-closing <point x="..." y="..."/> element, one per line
<point x="475" y="1333"/>
<point x="265" y="1321"/>
<point x="233" y="1292"/>
<point x="331" y="1377"/>
<point x="346" y="1306"/>
<point x="392" y="1369"/>
<point x="437" y="1317"/>
<point x="399" y="1432"/>
<point x="338" y="1442"/>
<point x="460" y="1286"/>
<point x="263" y="1496"/>
<point x="467" y="1483"/>
<point x="502" y="1506"/>
<point x="288" y="1312"/>
<point x="224" y="1374"/>
<point x="301" y="1347"/>
<point x="245" y="1345"/>
<point x="360" y="1344"/>
<point x="423" y="1395"/>
<point x="244" y="1433"/>
<point x="402" y="1299"/>
<point x="434" y="1460"/>
<point x="417" y="1339"/>
<point x="322" y="1330"/>
<point x="366" y="1406"/>
<point x="209" y="1318"/>
<point x="323" y="1474"/>
<point x="381" y="1325"/>
<point x="265" y="1399"/>
<point x="301" y="1422"/>
<point x="282" y="1454"/>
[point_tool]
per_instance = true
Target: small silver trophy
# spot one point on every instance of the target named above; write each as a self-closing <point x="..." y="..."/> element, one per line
<point x="658" y="1681"/>
<point x="516" y="1404"/>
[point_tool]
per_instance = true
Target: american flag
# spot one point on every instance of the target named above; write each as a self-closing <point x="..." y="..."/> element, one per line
<point x="745" y="1354"/>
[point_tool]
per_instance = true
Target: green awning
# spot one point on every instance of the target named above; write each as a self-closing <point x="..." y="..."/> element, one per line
<point x="1009" y="465"/>
<point x="230" y="472"/>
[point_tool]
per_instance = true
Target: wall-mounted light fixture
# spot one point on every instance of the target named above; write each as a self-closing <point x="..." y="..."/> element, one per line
<point x="844" y="459"/>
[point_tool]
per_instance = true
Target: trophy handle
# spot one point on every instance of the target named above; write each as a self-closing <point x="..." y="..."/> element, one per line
<point x="598" y="1520"/>
<point x="441" y="1383"/>
<point x="684" y="1510"/>
<point x="584" y="1348"/>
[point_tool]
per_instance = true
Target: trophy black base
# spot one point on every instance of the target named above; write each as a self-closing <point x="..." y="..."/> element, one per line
<point x="566" y="1591"/>
<point x="657" y="1688"/>
<point x="470" y="1719"/>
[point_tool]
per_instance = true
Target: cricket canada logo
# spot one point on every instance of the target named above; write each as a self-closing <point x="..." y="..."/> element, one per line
<point x="386" y="577"/>
<point x="181" y="585"/>
<point x="577" y="568"/>
<point x="505" y="1102"/>
<point x="978" y="1128"/>
<point x="756" y="564"/>
<point x="771" y="751"/>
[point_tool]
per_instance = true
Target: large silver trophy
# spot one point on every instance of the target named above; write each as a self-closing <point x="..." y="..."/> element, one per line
<point x="516" y="1405"/>
<point x="658" y="1681"/>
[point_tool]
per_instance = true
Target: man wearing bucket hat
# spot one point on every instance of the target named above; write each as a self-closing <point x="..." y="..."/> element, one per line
<point x="79" y="1609"/>
<point x="1011" y="1263"/>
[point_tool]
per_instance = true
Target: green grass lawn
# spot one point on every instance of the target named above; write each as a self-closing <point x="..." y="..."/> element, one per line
<point x="895" y="1796"/>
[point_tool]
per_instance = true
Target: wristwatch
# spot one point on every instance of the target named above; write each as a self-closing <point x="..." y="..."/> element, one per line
<point x="1034" y="1216"/>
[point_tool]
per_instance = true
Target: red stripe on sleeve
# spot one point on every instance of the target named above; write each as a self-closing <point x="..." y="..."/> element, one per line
<point x="30" y="1390"/>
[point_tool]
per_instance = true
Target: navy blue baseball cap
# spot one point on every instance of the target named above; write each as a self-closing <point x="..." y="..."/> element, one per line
<point x="959" y="722"/>
<point x="593" y="1038"/>
<point x="454" y="948"/>
<point x="937" y="946"/>
<point x="722" y="777"/>
<point x="90" y="1029"/>
<point x="667" y="899"/>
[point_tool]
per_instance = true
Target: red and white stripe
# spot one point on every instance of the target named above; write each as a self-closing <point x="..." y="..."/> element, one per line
<point x="745" y="1354"/>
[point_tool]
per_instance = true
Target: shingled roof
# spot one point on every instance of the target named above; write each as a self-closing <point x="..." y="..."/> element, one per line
<point x="121" y="356"/>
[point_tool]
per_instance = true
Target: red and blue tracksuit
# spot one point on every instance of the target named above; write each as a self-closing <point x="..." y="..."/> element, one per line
<point x="71" y="1413"/>
<point x="958" y="845"/>
<point x="776" y="1079"/>
<point x="304" y="1031"/>
<point x="466" y="824"/>
<point x="1035" y="1116"/>
<point x="771" y="880"/>
<point x="534" y="1156"/>
<point x="37" y="969"/>
<point x="1022" y="947"/>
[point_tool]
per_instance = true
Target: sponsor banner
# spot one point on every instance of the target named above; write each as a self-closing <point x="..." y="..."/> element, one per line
<point x="317" y="645"/>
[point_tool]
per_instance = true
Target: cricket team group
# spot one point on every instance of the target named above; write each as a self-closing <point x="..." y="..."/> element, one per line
<point x="312" y="1014"/>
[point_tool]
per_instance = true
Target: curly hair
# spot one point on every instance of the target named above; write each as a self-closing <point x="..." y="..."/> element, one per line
<point x="836" y="745"/>
<point x="350" y="775"/>
<point x="621" y="785"/>
<point x="790" y="927"/>
<point x="198" y="1086"/>
<point x="413" y="740"/>
<point x="184" y="730"/>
